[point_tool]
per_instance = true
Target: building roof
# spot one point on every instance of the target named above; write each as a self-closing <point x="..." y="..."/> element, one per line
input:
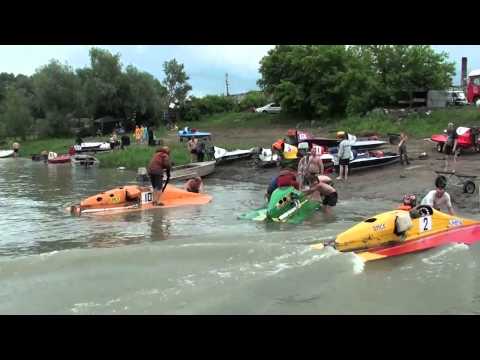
<point x="474" y="73"/>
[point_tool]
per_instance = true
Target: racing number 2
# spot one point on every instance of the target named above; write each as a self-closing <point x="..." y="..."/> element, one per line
<point x="426" y="223"/>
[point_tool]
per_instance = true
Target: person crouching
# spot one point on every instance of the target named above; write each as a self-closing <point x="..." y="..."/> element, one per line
<point x="194" y="185"/>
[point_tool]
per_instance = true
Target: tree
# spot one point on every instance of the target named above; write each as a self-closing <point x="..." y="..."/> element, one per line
<point x="176" y="81"/>
<point x="15" y="116"/>
<point x="334" y="80"/>
<point x="57" y="88"/>
<point x="101" y="82"/>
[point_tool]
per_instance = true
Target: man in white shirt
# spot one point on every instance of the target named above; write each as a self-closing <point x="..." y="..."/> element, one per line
<point x="344" y="154"/>
<point x="439" y="198"/>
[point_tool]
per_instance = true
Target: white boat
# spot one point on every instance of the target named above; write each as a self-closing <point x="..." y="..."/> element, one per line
<point x="92" y="147"/>
<point x="182" y="172"/>
<point x="222" y="155"/>
<point x="84" y="160"/>
<point x="6" y="153"/>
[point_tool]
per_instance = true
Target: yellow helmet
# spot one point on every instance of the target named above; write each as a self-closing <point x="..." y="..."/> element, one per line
<point x="340" y="134"/>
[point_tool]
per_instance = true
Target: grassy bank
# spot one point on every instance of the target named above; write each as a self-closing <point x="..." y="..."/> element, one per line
<point x="416" y="125"/>
<point x="133" y="157"/>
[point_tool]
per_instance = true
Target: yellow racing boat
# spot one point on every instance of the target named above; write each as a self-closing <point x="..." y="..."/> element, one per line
<point x="400" y="232"/>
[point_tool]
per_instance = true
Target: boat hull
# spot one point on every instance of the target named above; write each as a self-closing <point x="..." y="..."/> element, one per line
<point x="6" y="153"/>
<point x="61" y="159"/>
<point x="185" y="172"/>
<point x="171" y="197"/>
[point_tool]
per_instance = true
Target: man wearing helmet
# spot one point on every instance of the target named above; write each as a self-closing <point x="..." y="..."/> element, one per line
<point x="439" y="198"/>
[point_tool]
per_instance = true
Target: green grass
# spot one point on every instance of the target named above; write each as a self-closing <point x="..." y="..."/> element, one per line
<point x="241" y="120"/>
<point x="415" y="125"/>
<point x="135" y="156"/>
<point x="59" y="145"/>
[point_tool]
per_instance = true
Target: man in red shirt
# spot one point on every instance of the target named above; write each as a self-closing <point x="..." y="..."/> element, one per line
<point x="159" y="164"/>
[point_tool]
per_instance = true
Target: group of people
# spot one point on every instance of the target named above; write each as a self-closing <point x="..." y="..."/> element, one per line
<point x="319" y="187"/>
<point x="159" y="166"/>
<point x="144" y="135"/>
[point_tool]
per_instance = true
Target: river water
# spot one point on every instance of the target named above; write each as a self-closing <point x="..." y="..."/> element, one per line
<point x="202" y="260"/>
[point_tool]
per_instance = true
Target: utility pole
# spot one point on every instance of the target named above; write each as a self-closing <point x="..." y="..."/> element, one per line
<point x="226" y="84"/>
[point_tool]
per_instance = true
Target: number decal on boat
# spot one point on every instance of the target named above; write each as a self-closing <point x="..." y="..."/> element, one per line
<point x="425" y="223"/>
<point x="115" y="200"/>
<point x="379" y="227"/>
<point x="147" y="197"/>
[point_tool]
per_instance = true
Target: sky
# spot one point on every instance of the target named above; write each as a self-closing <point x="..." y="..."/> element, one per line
<point x="205" y="64"/>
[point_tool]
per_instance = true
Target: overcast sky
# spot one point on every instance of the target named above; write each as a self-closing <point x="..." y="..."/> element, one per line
<point x="205" y="64"/>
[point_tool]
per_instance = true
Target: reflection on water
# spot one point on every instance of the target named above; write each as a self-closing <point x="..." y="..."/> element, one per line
<point x="202" y="259"/>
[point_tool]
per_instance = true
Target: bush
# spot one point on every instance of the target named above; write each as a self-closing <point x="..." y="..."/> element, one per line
<point x="208" y="105"/>
<point x="253" y="99"/>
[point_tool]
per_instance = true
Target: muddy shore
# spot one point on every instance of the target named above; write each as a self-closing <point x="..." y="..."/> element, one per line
<point x="390" y="182"/>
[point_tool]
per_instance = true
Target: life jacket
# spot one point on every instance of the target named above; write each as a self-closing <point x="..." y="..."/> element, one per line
<point x="287" y="180"/>
<point x="278" y="145"/>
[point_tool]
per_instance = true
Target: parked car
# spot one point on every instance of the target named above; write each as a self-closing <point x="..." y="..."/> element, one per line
<point x="456" y="97"/>
<point x="271" y="108"/>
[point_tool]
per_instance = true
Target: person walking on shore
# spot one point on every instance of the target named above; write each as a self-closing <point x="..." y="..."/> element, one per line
<point x="344" y="155"/>
<point x="402" y="147"/>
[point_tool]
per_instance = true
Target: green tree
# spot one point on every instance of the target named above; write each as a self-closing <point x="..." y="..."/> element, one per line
<point x="100" y="84"/>
<point x="176" y="81"/>
<point x="15" y="116"/>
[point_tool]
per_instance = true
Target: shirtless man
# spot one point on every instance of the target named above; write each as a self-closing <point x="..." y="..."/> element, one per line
<point x="327" y="192"/>
<point x="192" y="148"/>
<point x="309" y="167"/>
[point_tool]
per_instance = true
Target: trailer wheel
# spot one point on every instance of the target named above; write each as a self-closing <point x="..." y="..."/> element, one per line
<point x="469" y="187"/>
<point x="440" y="147"/>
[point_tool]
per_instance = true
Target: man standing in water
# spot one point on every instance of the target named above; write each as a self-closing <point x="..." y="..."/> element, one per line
<point x="16" y="147"/>
<point x="439" y="198"/>
<point x="159" y="164"/>
<point x="322" y="186"/>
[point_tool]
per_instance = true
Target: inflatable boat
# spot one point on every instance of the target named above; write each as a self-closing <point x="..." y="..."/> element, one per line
<point x="401" y="232"/>
<point x="136" y="198"/>
<point x="286" y="205"/>
<point x="54" y="158"/>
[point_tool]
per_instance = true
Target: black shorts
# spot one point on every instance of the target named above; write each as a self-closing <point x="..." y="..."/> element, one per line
<point x="15" y="150"/>
<point x="345" y="162"/>
<point x="157" y="182"/>
<point x="330" y="199"/>
<point x="193" y="151"/>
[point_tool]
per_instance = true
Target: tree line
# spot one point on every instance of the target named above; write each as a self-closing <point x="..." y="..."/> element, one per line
<point x="49" y="102"/>
<point x="335" y="80"/>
